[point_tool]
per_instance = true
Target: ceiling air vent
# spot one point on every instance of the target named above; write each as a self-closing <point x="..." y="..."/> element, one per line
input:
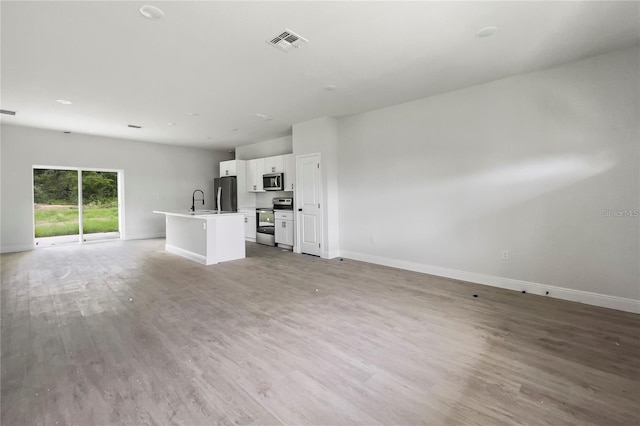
<point x="286" y="40"/>
<point x="133" y="126"/>
<point x="6" y="111"/>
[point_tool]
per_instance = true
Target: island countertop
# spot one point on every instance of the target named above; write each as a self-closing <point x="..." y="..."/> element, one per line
<point x="198" y="213"/>
<point x="205" y="236"/>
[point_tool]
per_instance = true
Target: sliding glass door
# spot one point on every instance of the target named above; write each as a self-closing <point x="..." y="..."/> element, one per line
<point x="75" y="205"/>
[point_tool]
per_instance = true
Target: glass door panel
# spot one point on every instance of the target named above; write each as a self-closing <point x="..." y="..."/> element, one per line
<point x="55" y="195"/>
<point x="99" y="205"/>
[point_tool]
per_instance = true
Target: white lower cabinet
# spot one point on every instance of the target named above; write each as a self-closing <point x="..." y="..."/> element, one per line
<point x="284" y="228"/>
<point x="249" y="224"/>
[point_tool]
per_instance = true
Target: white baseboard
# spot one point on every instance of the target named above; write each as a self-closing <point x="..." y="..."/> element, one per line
<point x="185" y="253"/>
<point x="145" y="236"/>
<point x="596" y="299"/>
<point x="14" y="249"/>
<point x="333" y="254"/>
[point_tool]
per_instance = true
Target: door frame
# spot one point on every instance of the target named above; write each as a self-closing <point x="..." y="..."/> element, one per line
<point x="121" y="216"/>
<point x="298" y="196"/>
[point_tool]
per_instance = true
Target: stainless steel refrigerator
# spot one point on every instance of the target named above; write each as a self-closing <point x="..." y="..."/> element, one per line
<point x="228" y="193"/>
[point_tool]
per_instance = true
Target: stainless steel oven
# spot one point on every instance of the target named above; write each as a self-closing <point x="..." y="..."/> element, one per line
<point x="265" y="226"/>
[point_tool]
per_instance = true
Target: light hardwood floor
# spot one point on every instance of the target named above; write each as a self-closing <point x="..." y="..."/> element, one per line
<point x="123" y="332"/>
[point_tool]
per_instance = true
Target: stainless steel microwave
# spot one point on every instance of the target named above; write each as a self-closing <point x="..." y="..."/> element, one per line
<point x="273" y="182"/>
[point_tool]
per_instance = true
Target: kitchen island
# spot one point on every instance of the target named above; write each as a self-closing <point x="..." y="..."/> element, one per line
<point x="205" y="236"/>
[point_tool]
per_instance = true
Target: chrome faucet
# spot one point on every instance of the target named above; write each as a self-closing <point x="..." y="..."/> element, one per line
<point x="193" y="199"/>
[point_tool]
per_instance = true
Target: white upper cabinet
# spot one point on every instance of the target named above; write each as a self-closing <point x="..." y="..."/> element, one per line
<point x="228" y="168"/>
<point x="255" y="170"/>
<point x="289" y="172"/>
<point x="258" y="167"/>
<point x="274" y="164"/>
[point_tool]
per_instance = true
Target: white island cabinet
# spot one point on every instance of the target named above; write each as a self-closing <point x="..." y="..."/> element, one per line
<point x="205" y="237"/>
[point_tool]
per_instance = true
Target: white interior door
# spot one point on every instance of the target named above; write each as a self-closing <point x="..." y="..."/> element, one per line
<point x="309" y="203"/>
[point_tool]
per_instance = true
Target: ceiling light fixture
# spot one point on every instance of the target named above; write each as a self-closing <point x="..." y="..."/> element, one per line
<point x="487" y="31"/>
<point x="64" y="102"/>
<point x="133" y="126"/>
<point x="151" y="12"/>
<point x="193" y="114"/>
<point x="171" y="124"/>
<point x="330" y="87"/>
<point x="7" y="112"/>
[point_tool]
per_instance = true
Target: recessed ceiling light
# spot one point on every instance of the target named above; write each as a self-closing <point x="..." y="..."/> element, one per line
<point x="330" y="87"/>
<point x="171" y="124"/>
<point x="263" y="116"/>
<point x="193" y="114"/>
<point x="151" y="12"/>
<point x="487" y="31"/>
<point x="64" y="102"/>
<point x="133" y="126"/>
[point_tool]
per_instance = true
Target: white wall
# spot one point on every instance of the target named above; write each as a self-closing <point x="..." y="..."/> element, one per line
<point x="321" y="136"/>
<point x="526" y="164"/>
<point x="156" y="177"/>
<point x="268" y="148"/>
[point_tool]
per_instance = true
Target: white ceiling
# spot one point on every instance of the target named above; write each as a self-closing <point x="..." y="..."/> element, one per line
<point x="211" y="58"/>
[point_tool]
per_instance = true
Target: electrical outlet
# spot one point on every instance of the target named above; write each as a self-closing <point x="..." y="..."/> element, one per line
<point x="505" y="255"/>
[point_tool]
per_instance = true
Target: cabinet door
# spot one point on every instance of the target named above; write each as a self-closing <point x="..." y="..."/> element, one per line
<point x="268" y="165"/>
<point x="274" y="164"/>
<point x="254" y="175"/>
<point x="289" y="172"/>
<point x="228" y="168"/>
<point x="289" y="232"/>
<point x="284" y="232"/>
<point x="250" y="227"/>
<point x="249" y="223"/>
<point x="280" y="231"/>
<point x="251" y="175"/>
<point x="258" y="176"/>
